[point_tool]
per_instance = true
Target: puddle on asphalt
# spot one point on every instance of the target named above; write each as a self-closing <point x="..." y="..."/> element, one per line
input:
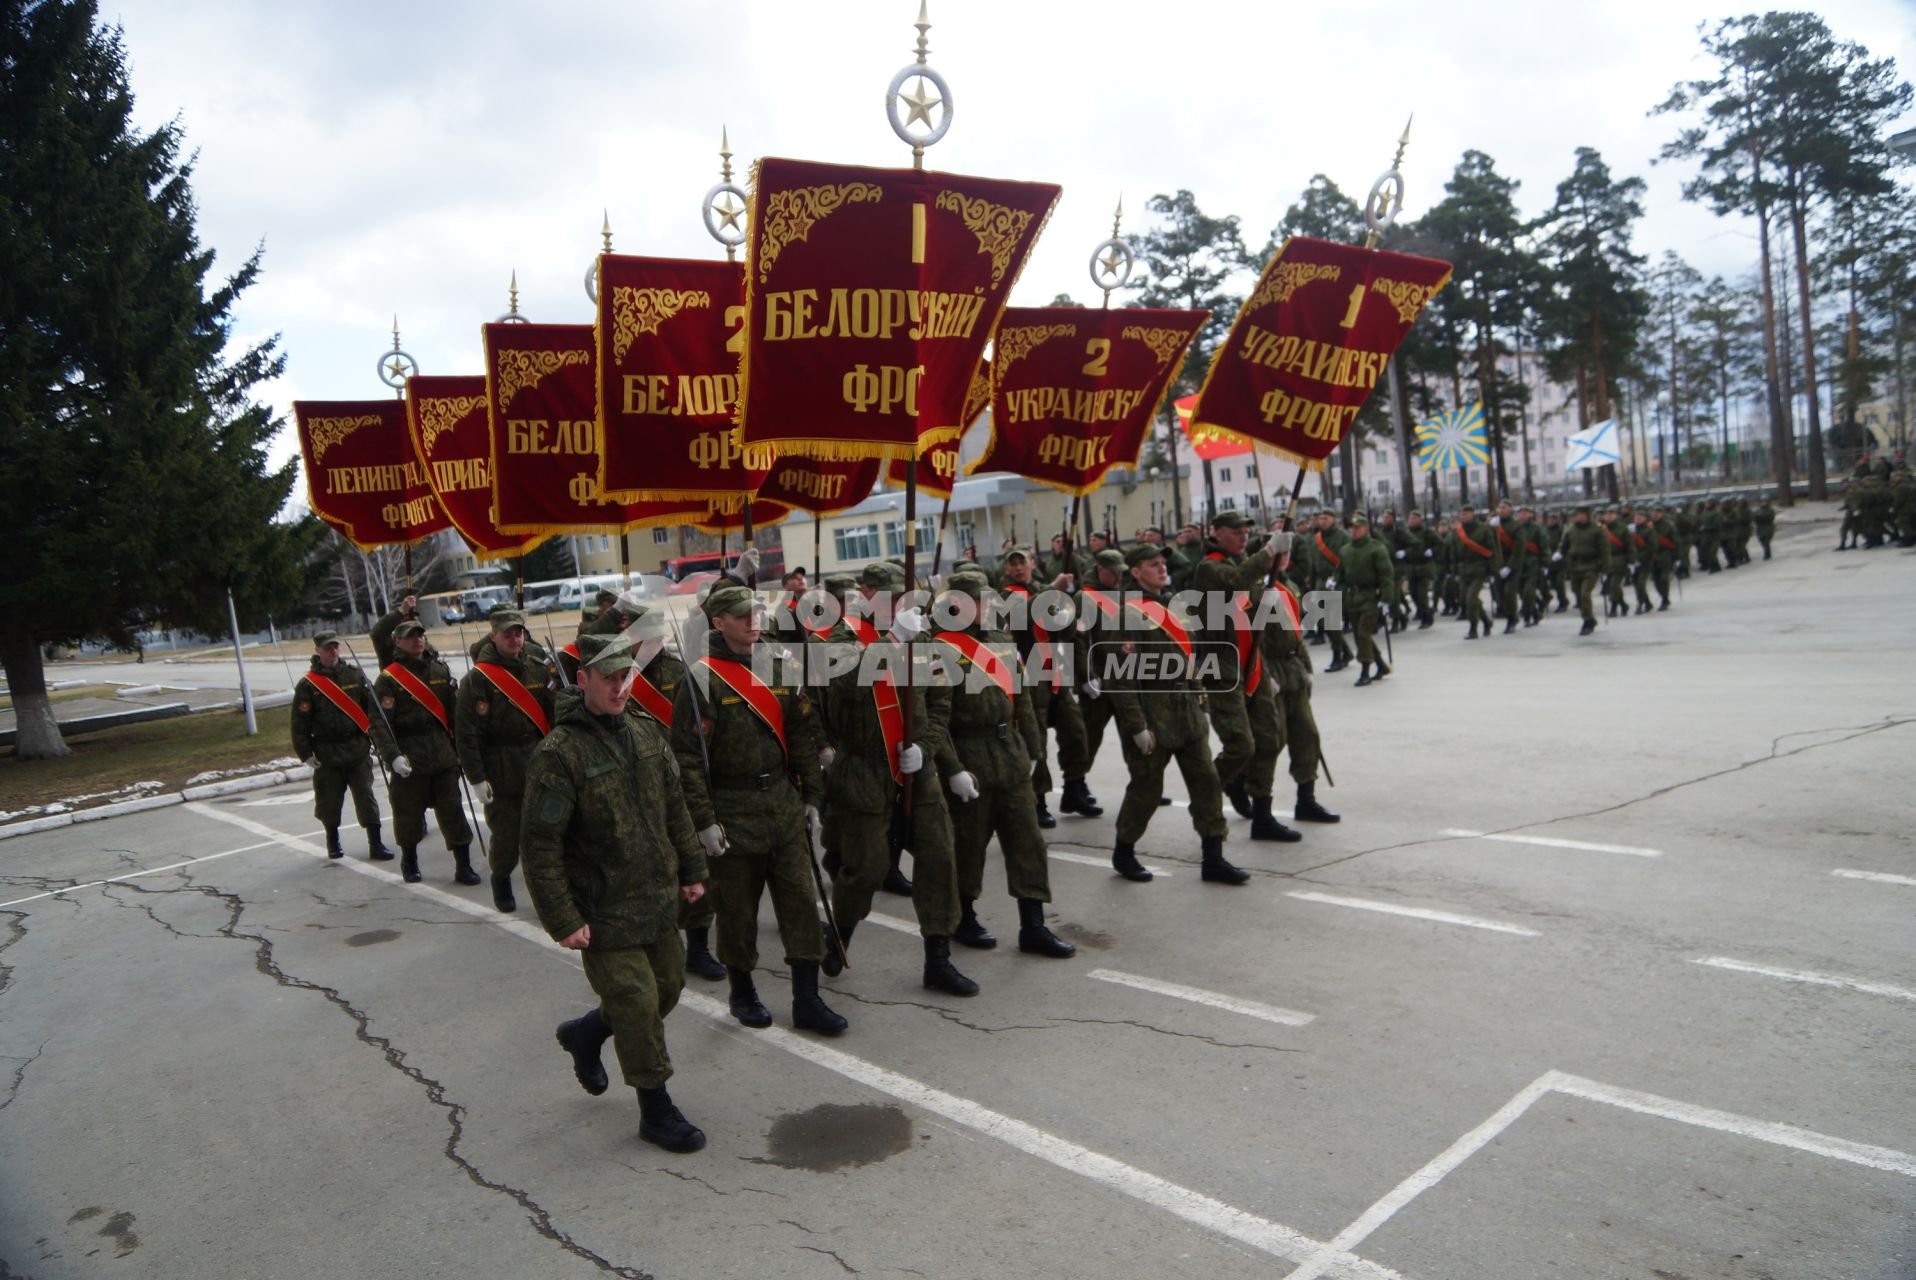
<point x="372" y="937"/>
<point x="830" y="1137"/>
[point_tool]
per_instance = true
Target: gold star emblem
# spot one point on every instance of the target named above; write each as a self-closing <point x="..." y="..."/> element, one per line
<point x="397" y="368"/>
<point x="729" y="212"/>
<point x="1111" y="261"/>
<point x="919" y="104"/>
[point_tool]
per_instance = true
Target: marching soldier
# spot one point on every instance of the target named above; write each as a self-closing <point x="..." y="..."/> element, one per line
<point x="1617" y="565"/>
<point x="1160" y="712"/>
<point x="1288" y="660"/>
<point x="1098" y="624"/>
<point x="1475" y="554"/>
<point x="387" y="627"/>
<point x="1530" y="577"/>
<point x="610" y="857"/>
<point x="1707" y="536"/>
<point x="505" y="708"/>
<point x="1553" y="564"/>
<point x="873" y="764"/>
<point x="1504" y="590"/>
<point x="1662" y="553"/>
<point x="995" y="734"/>
<point x="1420" y="547"/>
<point x="332" y="731"/>
<point x="415" y="738"/>
<point x="1396" y="544"/>
<point x="1640" y="543"/>
<point x="1765" y="520"/>
<point x="1585" y="552"/>
<point x="1183" y="556"/>
<point x="1056" y="706"/>
<point x="1368" y="582"/>
<point x="748" y="755"/>
<point x="1327" y="545"/>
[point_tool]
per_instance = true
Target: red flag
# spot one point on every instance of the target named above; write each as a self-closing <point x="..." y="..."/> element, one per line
<point x="362" y="476"/>
<point x="451" y="432"/>
<point x="1207" y="442"/>
<point x="937" y="466"/>
<point x="817" y="486"/>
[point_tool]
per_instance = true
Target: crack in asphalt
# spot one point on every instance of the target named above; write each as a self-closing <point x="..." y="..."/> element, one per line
<point x="265" y="962"/>
<point x="850" y="1270"/>
<point x="717" y="1191"/>
<point x="20" y="1072"/>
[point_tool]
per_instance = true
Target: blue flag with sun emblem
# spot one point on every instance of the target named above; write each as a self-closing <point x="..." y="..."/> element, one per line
<point x="1454" y="439"/>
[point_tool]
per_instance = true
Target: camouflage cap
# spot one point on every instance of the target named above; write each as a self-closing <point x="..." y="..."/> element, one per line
<point x="606" y="597"/>
<point x="1230" y="520"/>
<point x="1143" y="551"/>
<point x="1110" y="558"/>
<point x="1015" y="552"/>
<point x="410" y="627"/>
<point x="968" y="583"/>
<point x="1583" y="509"/>
<point x="323" y="638"/>
<point x="503" y="619"/>
<point x="607" y="655"/>
<point x="1415" y="514"/>
<point x="882" y="575"/>
<point x="728" y="598"/>
<point x="1358" y="517"/>
<point x="838" y="584"/>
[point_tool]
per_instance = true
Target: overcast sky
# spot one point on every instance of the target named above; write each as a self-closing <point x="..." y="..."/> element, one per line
<point x="406" y="158"/>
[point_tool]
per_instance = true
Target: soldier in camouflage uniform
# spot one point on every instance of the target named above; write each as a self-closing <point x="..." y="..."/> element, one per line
<point x="863" y="706"/>
<point x="1096" y="609"/>
<point x="1474" y="550"/>
<point x="385" y="628"/>
<point x="995" y="735"/>
<point x="1707" y="536"/>
<point x="1183" y="555"/>
<point x="1585" y="552"/>
<point x="1662" y="553"/>
<point x="1504" y="588"/>
<point x="1160" y="710"/>
<point x="1532" y="594"/>
<point x="496" y="734"/>
<point x="1764" y="518"/>
<point x="336" y="745"/>
<point x="756" y="807"/>
<point x="1052" y="698"/>
<point x="416" y="741"/>
<point x="1421" y="546"/>
<point x="610" y="857"/>
<point x="1616" y="565"/>
<point x="1553" y="562"/>
<point x="1287" y="660"/>
<point x="1368" y="581"/>
<point x="1325" y="544"/>
<point x="1640" y="544"/>
<point x="1388" y="532"/>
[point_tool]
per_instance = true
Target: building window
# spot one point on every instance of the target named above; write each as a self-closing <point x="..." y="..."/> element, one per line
<point x="1227" y="503"/>
<point x="967" y="536"/>
<point x="856" y="542"/>
<point x="1224" y="474"/>
<point x="660" y="536"/>
<point x="895" y="536"/>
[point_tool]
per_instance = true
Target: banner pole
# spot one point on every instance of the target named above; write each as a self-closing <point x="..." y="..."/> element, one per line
<point x="938" y="552"/>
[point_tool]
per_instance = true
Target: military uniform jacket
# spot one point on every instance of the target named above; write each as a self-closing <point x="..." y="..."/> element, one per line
<point x="1225" y="574"/>
<point x="860" y="779"/>
<point x="1663" y="543"/>
<point x="1509" y="544"/>
<point x="1184" y="559"/>
<point x="995" y="737"/>
<point x="607" y="840"/>
<point x="1324" y="548"/>
<point x="1585" y="549"/>
<point x="1287" y="656"/>
<point x="384" y="650"/>
<point x="416" y="732"/>
<point x="1765" y="517"/>
<point x="1616" y="546"/>
<point x="321" y="730"/>
<point x="1144" y="696"/>
<point x="1475" y="561"/>
<point x="1534" y="545"/>
<point x="495" y="738"/>
<point x="757" y="788"/>
<point x="1099" y="633"/>
<point x="665" y="673"/>
<point x="1367" y="574"/>
<point x="1421" y="548"/>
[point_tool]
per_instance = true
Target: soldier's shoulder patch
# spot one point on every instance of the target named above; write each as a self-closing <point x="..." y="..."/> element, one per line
<point x="389" y="702"/>
<point x="305" y="706"/>
<point x="551" y="810"/>
<point x="481" y="707"/>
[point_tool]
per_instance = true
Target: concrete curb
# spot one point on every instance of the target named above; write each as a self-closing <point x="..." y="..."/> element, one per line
<point x="206" y="791"/>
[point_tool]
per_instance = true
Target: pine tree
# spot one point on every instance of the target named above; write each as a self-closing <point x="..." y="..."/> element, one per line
<point x="134" y="488"/>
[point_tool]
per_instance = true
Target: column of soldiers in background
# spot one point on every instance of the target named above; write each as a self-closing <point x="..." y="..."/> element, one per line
<point x="1879" y="506"/>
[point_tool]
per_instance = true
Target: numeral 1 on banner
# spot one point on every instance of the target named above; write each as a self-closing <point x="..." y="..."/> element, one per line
<point x="1357" y="300"/>
<point x="918" y="233"/>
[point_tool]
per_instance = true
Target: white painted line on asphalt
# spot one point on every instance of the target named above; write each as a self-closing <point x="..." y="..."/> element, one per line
<point x="884" y="921"/>
<point x="1782" y="1135"/>
<point x="1881" y="877"/>
<point x="1197" y="995"/>
<point x="1814" y="979"/>
<point x="1420" y="913"/>
<point x="150" y="871"/>
<point x="297" y="797"/>
<point x="1085" y="859"/>
<point x="1551" y="842"/>
<point x="1194" y="1207"/>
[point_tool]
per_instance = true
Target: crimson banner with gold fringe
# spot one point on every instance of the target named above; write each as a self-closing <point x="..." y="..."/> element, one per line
<point x="542" y="401"/>
<point x="451" y="432"/>
<point x="1310" y="343"/>
<point x="730" y="518"/>
<point x="1208" y="443"/>
<point x="937" y="465"/>
<point x="362" y="476"/>
<point x="1073" y="391"/>
<point x="669" y="336"/>
<point x="817" y="486"/>
<point x="869" y="296"/>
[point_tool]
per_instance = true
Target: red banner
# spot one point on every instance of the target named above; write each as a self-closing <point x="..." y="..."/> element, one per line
<point x="1208" y="443"/>
<point x="870" y="294"/>
<point x="542" y="400"/>
<point x="451" y="432"/>
<point x="669" y="336"/>
<point x="817" y="486"/>
<point x="720" y="519"/>
<point x="1074" y="390"/>
<point x="362" y="476"/>
<point x="937" y="466"/>
<point x="1311" y="342"/>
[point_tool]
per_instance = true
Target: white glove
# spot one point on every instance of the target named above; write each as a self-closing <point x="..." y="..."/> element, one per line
<point x="1429" y="552"/>
<point x="1400" y="555"/>
<point x="714" y="840"/>
<point x="1495" y="521"/>
<point x="907" y="625"/>
<point x="963" y="785"/>
<point x="1504" y="572"/>
<point x="311" y="762"/>
<point x="746" y="570"/>
<point x="1092" y="689"/>
<point x="1146" y="740"/>
<point x="814" y="826"/>
<point x="1032" y="772"/>
<point x="826" y="755"/>
<point x="1330" y="584"/>
<point x="402" y="766"/>
<point x="911" y="758"/>
<point x="485" y="793"/>
<point x="1556" y="556"/>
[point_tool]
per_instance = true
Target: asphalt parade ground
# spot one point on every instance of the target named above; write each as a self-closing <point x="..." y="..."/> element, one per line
<point x="1609" y="971"/>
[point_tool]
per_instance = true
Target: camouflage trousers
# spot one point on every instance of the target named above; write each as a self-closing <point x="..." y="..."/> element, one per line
<point x="1058" y="713"/>
<point x="438" y="791"/>
<point x="1098" y="714"/>
<point x="1147" y="785"/>
<point x="1470" y="587"/>
<point x="1364" y="619"/>
<point x="1300" y="732"/>
<point x="637" y="987"/>
<point x="1584" y="583"/>
<point x="331" y="782"/>
<point x="739" y="881"/>
<point x="502" y="818"/>
<point x="864" y="856"/>
<point x="1009" y="814"/>
<point x="1250" y="735"/>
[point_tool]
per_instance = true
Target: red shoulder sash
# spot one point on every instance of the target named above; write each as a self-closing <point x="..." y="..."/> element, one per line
<point x="424" y="696"/>
<point x="337" y="696"/>
<point x="520" y="696"/>
<point x="739" y="679"/>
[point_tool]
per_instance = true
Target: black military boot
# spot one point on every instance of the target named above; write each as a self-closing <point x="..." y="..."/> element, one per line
<point x="1766" y="553"/>
<point x="1035" y="938"/>
<point x="1363" y="674"/>
<point x="1589" y="625"/>
<point x="969" y="932"/>
<point x="333" y="848"/>
<point x="1077" y="798"/>
<point x="375" y="848"/>
<point x="502" y="894"/>
<point x="699" y="961"/>
<point x="745" y="1004"/>
<point x="809" y="1013"/>
<point x="1383" y="669"/>
<point x="1164" y="802"/>
<point x="584" y="1038"/>
<point x="1473" y="632"/>
<point x="940" y="975"/>
<point x="1215" y="869"/>
<point x="1307" y="809"/>
<point x="896" y="881"/>
<point x="462" y="865"/>
<point x="834" y="963"/>
<point x="1240" y="798"/>
<point x="1124" y="860"/>
<point x="1663" y="607"/>
<point x="1265" y="826"/>
<point x="664" y="1125"/>
<point x="409" y="863"/>
<point x="1510" y="624"/>
<point x="1045" y="819"/>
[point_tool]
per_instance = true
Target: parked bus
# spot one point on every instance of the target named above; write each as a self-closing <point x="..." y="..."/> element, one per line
<point x="684" y="569"/>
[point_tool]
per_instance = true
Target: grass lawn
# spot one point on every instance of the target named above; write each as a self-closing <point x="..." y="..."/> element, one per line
<point x="166" y="751"/>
